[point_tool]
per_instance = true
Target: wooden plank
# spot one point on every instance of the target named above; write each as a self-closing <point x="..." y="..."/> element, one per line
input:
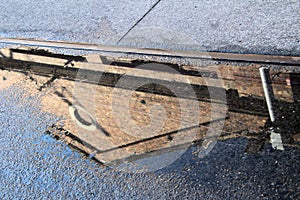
<point x="104" y="68"/>
<point x="7" y="53"/>
<point x="227" y="76"/>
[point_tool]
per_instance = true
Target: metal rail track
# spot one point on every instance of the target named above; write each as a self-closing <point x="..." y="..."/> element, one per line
<point x="256" y="58"/>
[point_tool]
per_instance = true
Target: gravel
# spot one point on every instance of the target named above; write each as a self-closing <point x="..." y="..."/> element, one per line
<point x="35" y="166"/>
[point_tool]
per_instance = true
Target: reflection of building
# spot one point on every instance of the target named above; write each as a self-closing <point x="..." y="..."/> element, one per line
<point x="92" y="100"/>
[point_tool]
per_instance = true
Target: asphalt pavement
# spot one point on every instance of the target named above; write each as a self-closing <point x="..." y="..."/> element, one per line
<point x="251" y="26"/>
<point x="35" y="166"/>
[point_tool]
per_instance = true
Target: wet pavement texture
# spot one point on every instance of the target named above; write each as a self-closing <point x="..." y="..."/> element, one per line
<point x="250" y="26"/>
<point x="36" y="166"/>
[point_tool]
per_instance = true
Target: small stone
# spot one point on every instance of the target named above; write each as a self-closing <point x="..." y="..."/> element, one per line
<point x="297" y="137"/>
<point x="244" y="133"/>
<point x="143" y="102"/>
<point x="4" y="78"/>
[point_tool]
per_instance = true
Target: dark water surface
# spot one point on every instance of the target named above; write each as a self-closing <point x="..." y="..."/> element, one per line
<point x="35" y="166"/>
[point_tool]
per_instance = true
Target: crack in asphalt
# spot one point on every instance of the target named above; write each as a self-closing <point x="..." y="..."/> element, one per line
<point x="139" y="21"/>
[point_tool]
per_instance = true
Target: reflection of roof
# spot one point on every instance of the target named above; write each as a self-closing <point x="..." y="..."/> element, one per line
<point x="245" y="101"/>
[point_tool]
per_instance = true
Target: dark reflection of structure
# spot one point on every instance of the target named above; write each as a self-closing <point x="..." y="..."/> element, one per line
<point x="290" y="110"/>
<point x="287" y="113"/>
<point x="294" y="81"/>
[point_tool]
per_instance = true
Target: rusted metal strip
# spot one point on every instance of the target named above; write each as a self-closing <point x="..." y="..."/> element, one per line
<point x="257" y="58"/>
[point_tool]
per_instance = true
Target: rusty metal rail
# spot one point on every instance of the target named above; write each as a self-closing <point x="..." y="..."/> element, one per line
<point x="256" y="58"/>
